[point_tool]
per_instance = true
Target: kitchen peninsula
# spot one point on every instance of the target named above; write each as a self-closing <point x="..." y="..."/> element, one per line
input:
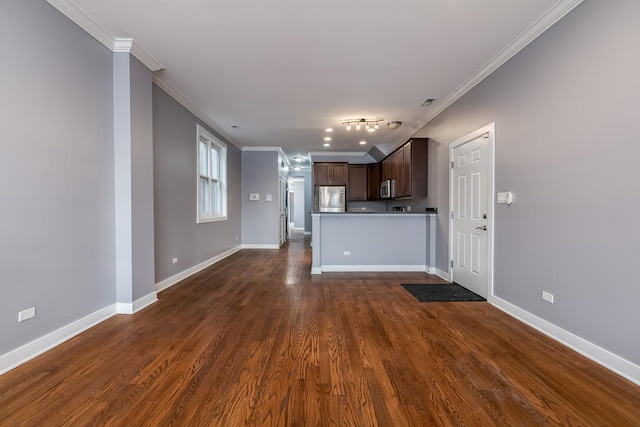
<point x="373" y="241"/>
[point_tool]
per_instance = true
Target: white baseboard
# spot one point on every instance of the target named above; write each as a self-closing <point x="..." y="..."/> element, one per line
<point x="316" y="270"/>
<point x="611" y="361"/>
<point x="307" y="233"/>
<point x="35" y="348"/>
<point x="166" y="283"/>
<point x="298" y="228"/>
<point x="259" y="246"/>
<point x="431" y="270"/>
<point x="130" y="308"/>
<point x="442" y="274"/>
<point x="374" y="268"/>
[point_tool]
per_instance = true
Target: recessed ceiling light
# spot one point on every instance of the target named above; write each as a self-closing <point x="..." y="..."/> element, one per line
<point x="428" y="102"/>
<point x="327" y="138"/>
<point x="363" y="142"/>
<point x="236" y="127"/>
<point x="326" y="144"/>
<point x="298" y="159"/>
<point x="328" y="130"/>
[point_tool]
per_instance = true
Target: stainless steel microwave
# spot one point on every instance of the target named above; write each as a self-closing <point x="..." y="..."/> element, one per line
<point x="387" y="189"/>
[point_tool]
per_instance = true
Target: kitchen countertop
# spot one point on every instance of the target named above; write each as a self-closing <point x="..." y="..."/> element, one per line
<point x="390" y="213"/>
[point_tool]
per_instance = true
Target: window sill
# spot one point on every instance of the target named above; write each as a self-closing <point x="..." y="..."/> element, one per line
<point x="211" y="219"/>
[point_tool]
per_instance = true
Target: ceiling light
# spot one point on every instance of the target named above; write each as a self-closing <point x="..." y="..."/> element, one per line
<point x="428" y="102"/>
<point x="298" y="159"/>
<point x="370" y="125"/>
<point x="327" y="138"/>
<point x="328" y="130"/>
<point x="394" y="125"/>
<point x="296" y="168"/>
<point x="363" y="142"/>
<point x="326" y="144"/>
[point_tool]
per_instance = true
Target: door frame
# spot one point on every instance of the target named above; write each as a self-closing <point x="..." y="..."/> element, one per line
<point x="489" y="129"/>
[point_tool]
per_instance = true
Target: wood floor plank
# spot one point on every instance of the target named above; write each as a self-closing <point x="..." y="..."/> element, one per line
<point x="255" y="340"/>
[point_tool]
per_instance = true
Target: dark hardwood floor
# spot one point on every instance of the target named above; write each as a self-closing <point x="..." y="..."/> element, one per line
<point x="257" y="340"/>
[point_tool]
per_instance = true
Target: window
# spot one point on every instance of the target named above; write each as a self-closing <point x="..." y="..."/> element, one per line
<point x="212" y="178"/>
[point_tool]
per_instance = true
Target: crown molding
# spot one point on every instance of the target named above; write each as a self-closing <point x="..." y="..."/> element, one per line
<point x="338" y="153"/>
<point x="256" y="148"/>
<point x="84" y="21"/>
<point x="164" y="84"/>
<point x="553" y="15"/>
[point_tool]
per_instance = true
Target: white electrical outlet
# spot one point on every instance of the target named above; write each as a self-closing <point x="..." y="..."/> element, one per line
<point x="347" y="252"/>
<point x="175" y="260"/>
<point x="26" y="314"/>
<point x="547" y="297"/>
<point x="268" y="198"/>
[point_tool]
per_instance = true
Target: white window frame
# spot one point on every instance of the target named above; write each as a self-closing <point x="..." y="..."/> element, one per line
<point x="212" y="143"/>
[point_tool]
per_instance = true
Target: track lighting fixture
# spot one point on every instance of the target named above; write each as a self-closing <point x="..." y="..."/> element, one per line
<point x="371" y="125"/>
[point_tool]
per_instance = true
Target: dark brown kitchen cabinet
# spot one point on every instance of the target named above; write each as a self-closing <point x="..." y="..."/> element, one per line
<point x="357" y="188"/>
<point x="414" y="168"/>
<point x="406" y="170"/>
<point x="407" y="167"/>
<point x="396" y="172"/>
<point x="330" y="173"/>
<point x="373" y="185"/>
<point x="385" y="172"/>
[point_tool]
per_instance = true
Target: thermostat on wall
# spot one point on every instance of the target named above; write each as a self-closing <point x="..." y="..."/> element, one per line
<point x="254" y="196"/>
<point x="505" y="198"/>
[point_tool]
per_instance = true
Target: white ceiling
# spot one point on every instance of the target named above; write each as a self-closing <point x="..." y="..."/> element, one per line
<point x="284" y="70"/>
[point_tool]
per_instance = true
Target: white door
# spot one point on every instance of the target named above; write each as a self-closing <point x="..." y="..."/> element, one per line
<point x="472" y="210"/>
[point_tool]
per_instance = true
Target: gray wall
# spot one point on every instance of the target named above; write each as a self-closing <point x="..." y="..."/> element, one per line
<point x="56" y="172"/>
<point x="174" y="160"/>
<point x="566" y="113"/>
<point x="260" y="219"/>
<point x="373" y="240"/>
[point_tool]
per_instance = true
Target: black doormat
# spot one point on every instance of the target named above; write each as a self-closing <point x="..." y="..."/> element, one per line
<point x="448" y="292"/>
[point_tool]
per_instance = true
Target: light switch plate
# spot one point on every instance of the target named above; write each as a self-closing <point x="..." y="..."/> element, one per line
<point x="254" y="196"/>
<point x="268" y="198"/>
<point x="505" y="198"/>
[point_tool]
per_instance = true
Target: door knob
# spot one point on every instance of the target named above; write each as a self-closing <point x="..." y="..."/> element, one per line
<point x="484" y="228"/>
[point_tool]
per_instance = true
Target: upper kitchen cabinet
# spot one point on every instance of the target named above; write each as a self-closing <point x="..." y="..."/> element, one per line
<point x="407" y="167"/>
<point x="373" y="185"/>
<point x="414" y="168"/>
<point x="330" y="173"/>
<point x="357" y="188"/>
<point x="396" y="172"/>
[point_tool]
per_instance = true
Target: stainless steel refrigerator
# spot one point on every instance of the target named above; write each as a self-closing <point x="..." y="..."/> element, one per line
<point x="330" y="198"/>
